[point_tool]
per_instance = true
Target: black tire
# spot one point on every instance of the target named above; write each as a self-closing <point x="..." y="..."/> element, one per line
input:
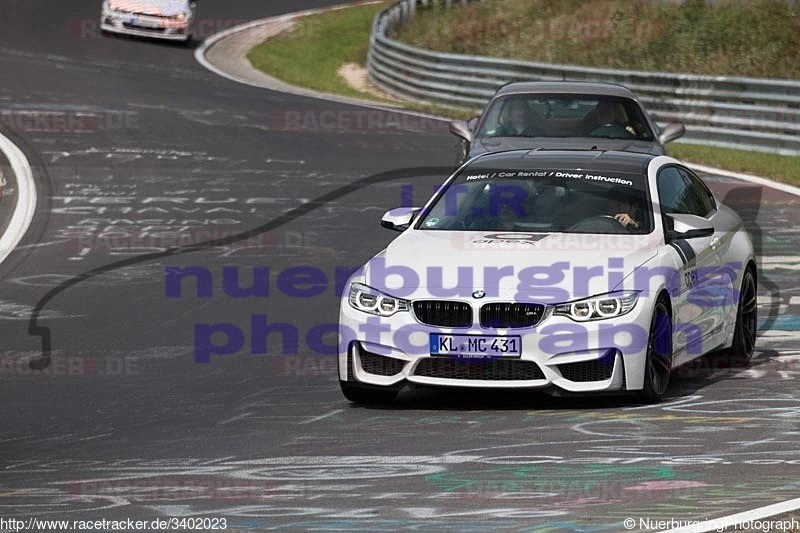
<point x="744" y="334"/>
<point x="658" y="362"/>
<point x="357" y="394"/>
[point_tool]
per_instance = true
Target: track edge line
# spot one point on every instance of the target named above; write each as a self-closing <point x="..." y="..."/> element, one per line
<point x="26" y="198"/>
<point x="739" y="518"/>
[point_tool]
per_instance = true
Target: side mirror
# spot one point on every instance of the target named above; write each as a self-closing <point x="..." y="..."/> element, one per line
<point x="400" y="219"/>
<point x="671" y="131"/>
<point x="689" y="227"/>
<point x="473" y="123"/>
<point x="460" y="128"/>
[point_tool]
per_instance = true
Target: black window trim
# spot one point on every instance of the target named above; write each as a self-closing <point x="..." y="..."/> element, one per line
<point x="705" y="188"/>
<point x="692" y="176"/>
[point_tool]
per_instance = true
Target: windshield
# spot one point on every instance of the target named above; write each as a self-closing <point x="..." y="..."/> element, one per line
<point x="537" y="115"/>
<point x="542" y="200"/>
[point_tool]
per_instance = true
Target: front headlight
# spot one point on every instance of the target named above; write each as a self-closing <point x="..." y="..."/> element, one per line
<point x="374" y="302"/>
<point x="180" y="17"/>
<point x="599" y="307"/>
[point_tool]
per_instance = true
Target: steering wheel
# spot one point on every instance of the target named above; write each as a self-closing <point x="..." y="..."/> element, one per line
<point x="611" y="129"/>
<point x="599" y="223"/>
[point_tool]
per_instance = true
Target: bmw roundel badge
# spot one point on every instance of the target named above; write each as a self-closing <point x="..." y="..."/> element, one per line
<point x="478" y="294"/>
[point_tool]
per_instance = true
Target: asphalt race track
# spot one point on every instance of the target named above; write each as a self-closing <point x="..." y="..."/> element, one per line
<point x="124" y="423"/>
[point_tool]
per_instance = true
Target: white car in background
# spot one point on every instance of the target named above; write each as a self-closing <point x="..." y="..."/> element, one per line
<point x="160" y="19"/>
<point x="569" y="271"/>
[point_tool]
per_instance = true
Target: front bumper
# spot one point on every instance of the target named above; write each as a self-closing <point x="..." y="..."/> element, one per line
<point x="145" y="25"/>
<point x="597" y="356"/>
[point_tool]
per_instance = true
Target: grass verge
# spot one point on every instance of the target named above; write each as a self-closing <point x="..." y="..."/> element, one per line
<point x="311" y="55"/>
<point x="777" y="167"/>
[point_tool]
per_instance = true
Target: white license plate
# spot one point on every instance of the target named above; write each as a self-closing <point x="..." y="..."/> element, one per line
<point x="144" y="23"/>
<point x="475" y="346"/>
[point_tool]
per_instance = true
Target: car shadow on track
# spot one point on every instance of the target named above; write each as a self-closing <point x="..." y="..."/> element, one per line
<point x="719" y="367"/>
<point x="466" y="399"/>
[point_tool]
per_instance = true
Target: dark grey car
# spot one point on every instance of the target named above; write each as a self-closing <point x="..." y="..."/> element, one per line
<point x="558" y="115"/>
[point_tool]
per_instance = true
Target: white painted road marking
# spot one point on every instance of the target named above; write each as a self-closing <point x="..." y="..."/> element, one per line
<point x="235" y="418"/>
<point x="322" y="417"/>
<point x="26" y="198"/>
<point x="740" y="518"/>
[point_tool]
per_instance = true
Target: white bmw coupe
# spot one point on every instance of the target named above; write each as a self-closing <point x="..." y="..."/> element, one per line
<point x="570" y="271"/>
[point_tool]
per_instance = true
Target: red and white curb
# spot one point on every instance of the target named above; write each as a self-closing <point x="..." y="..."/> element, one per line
<point x="26" y="198"/>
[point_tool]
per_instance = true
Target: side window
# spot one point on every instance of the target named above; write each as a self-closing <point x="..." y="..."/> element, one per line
<point x="671" y="187"/>
<point x="681" y="192"/>
<point x="703" y="197"/>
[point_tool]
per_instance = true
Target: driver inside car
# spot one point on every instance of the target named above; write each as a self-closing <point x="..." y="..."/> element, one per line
<point x="623" y="207"/>
<point x="606" y="121"/>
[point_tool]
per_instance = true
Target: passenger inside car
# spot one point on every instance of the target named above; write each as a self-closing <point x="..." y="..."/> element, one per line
<point x="517" y="120"/>
<point x="548" y="202"/>
<point x="501" y="205"/>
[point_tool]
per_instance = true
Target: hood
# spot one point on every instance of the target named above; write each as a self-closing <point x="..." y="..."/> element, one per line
<point x="502" y="144"/>
<point x="547" y="268"/>
<point x="162" y="8"/>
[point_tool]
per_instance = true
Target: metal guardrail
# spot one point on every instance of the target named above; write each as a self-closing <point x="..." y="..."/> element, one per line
<point x="734" y="112"/>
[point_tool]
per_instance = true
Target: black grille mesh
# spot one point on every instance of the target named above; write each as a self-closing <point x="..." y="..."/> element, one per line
<point x="379" y="365"/>
<point x="138" y="27"/>
<point x="511" y="315"/>
<point x="444" y="313"/>
<point x="492" y="370"/>
<point x="351" y="375"/>
<point x="596" y="370"/>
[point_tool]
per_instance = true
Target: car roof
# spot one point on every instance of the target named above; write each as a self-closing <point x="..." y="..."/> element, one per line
<point x="593" y="160"/>
<point x="556" y="87"/>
